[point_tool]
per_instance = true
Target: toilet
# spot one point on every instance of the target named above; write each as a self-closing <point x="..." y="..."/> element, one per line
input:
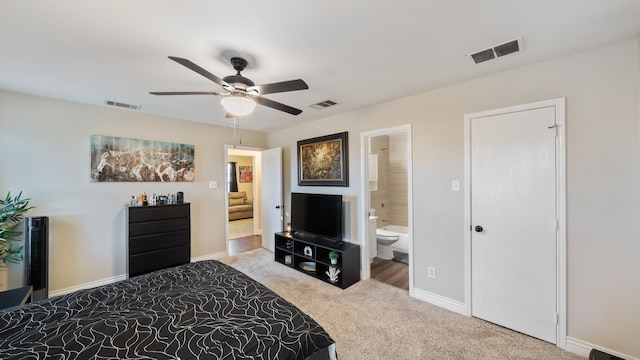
<point x="385" y="239"/>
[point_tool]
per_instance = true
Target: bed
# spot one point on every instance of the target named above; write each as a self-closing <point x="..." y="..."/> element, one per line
<point x="201" y="310"/>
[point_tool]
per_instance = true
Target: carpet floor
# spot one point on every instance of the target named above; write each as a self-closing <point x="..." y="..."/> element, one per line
<point x="376" y="321"/>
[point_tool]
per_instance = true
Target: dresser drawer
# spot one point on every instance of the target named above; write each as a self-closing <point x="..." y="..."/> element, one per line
<point x="158" y="227"/>
<point x="158" y="212"/>
<point x="156" y="260"/>
<point x="155" y="242"/>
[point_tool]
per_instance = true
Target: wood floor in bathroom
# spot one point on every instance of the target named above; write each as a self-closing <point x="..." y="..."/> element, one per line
<point x="391" y="272"/>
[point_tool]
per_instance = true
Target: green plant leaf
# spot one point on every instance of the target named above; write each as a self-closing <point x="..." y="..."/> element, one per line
<point x="12" y="210"/>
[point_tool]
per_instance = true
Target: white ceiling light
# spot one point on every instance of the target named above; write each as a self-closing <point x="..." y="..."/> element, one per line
<point x="238" y="104"/>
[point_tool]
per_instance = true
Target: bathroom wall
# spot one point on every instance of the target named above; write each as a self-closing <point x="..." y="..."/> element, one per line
<point x="398" y="175"/>
<point x="390" y="200"/>
<point x="380" y="200"/>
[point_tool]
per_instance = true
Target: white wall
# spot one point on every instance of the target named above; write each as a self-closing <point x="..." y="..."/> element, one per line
<point x="44" y="151"/>
<point x="603" y="179"/>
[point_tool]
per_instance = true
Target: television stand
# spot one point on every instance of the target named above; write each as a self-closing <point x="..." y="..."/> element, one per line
<point x="302" y="252"/>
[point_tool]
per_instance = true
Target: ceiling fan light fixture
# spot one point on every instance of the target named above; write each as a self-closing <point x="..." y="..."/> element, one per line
<point x="238" y="105"/>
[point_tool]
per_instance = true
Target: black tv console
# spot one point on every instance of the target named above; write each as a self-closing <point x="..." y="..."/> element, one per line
<point x="290" y="251"/>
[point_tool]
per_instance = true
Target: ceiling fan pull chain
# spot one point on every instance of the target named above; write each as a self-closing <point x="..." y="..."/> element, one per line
<point x="235" y="131"/>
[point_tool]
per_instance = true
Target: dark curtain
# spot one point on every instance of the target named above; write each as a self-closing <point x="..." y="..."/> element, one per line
<point x="232" y="186"/>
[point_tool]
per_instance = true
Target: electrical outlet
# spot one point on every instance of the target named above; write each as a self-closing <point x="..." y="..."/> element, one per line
<point x="432" y="272"/>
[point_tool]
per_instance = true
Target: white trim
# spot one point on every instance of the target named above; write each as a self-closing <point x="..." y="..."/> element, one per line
<point x="88" y="285"/>
<point x="583" y="348"/>
<point x="214" y="256"/>
<point x="92" y="284"/>
<point x="365" y="263"/>
<point x="561" y="276"/>
<point x="467" y="215"/>
<point x="256" y="156"/>
<point x="364" y="204"/>
<point x="438" y="300"/>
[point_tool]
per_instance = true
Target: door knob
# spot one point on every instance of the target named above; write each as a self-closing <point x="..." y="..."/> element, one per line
<point x="479" y="228"/>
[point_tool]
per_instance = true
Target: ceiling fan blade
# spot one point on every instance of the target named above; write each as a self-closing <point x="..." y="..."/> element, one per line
<point x="187" y="93"/>
<point x="188" y="64"/>
<point x="276" y="105"/>
<point x="284" y="86"/>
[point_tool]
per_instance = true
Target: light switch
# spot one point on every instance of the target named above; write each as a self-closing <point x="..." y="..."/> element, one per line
<point x="455" y="185"/>
<point x="213" y="184"/>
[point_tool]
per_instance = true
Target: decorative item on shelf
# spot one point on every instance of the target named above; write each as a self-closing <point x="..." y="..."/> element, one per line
<point x="289" y="244"/>
<point x="308" y="251"/>
<point x="309" y="266"/>
<point x="333" y="273"/>
<point x="333" y="256"/>
<point x="287" y="259"/>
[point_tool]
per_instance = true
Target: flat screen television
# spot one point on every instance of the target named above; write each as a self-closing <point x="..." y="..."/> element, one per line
<point x="317" y="214"/>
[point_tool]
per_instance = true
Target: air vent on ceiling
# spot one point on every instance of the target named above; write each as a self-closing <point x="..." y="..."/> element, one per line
<point x="122" y="105"/>
<point x="497" y="51"/>
<point x="323" y="104"/>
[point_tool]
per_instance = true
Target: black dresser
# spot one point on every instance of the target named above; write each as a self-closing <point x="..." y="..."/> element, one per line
<point x="158" y="237"/>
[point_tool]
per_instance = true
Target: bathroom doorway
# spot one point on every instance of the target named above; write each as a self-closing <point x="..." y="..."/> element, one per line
<point x="387" y="253"/>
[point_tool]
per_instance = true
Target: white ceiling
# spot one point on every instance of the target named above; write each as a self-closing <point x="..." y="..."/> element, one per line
<point x="355" y="52"/>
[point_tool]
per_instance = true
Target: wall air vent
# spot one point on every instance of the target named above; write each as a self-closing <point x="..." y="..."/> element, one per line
<point x="122" y="105"/>
<point x="323" y="104"/>
<point x="497" y="51"/>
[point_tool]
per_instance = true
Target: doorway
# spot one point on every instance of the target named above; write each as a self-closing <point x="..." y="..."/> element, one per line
<point x="386" y="206"/>
<point x="243" y="189"/>
<point x="515" y="213"/>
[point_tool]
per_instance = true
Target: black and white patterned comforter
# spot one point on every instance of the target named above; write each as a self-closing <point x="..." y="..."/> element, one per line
<point x="202" y="310"/>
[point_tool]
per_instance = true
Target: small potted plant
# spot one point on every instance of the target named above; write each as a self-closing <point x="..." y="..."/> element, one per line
<point x="333" y="256"/>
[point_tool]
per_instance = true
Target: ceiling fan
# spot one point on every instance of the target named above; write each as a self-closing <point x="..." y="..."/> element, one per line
<point x="241" y="94"/>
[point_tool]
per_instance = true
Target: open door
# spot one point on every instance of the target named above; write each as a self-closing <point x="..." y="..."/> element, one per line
<point x="272" y="199"/>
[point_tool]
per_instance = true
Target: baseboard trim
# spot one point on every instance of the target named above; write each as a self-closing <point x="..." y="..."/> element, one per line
<point x="92" y="284"/>
<point x="88" y="285"/>
<point x="583" y="348"/>
<point x="212" y="256"/>
<point x="438" y="300"/>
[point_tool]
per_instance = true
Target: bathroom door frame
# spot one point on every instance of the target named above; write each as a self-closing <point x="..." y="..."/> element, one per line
<point x="365" y="199"/>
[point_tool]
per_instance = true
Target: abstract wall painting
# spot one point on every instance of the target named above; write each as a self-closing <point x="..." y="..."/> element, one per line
<point x="115" y="159"/>
<point x="324" y="161"/>
<point x="246" y="174"/>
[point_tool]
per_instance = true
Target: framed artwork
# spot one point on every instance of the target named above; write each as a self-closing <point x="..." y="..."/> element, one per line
<point x="246" y="174"/>
<point x="324" y="161"/>
<point x="115" y="159"/>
